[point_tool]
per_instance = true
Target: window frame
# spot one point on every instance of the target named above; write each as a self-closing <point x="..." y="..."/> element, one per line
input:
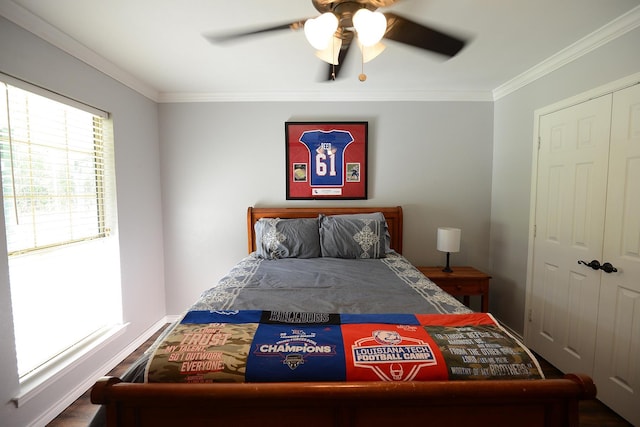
<point x="104" y="241"/>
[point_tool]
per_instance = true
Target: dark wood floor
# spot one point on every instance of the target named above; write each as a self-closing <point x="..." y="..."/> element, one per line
<point x="592" y="413"/>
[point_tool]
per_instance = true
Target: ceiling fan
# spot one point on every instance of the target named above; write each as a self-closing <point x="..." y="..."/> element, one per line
<point x="347" y="26"/>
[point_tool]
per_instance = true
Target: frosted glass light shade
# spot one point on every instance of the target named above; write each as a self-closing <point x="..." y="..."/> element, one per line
<point x="449" y="239"/>
<point x="330" y="53"/>
<point x="319" y="31"/>
<point x="370" y="26"/>
<point x="370" y="52"/>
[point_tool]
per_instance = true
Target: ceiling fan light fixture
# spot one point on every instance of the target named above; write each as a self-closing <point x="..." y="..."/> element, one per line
<point x="319" y="31"/>
<point x="370" y="26"/>
<point x="343" y="22"/>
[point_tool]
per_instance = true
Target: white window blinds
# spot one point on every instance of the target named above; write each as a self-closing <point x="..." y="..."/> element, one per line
<point x="52" y="172"/>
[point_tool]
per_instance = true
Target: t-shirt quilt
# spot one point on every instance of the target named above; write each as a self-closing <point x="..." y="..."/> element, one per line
<point x="280" y="346"/>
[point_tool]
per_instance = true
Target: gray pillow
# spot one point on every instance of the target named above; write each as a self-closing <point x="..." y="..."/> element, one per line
<point x="287" y="238"/>
<point x="354" y="236"/>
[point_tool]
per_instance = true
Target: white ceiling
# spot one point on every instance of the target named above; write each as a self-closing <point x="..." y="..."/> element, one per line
<point x="157" y="46"/>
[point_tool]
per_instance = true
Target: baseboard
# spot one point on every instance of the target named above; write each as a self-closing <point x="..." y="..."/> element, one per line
<point x="172" y="318"/>
<point x="81" y="388"/>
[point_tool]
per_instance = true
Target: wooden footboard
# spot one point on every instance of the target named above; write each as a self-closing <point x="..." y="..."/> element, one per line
<point x="552" y="402"/>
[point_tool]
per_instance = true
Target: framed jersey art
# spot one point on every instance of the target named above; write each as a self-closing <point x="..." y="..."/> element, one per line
<point x="326" y="160"/>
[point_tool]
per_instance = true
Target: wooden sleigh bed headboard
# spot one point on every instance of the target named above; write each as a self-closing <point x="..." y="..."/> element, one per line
<point x="393" y="216"/>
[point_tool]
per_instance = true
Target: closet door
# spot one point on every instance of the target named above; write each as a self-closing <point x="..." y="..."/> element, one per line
<point x="570" y="202"/>
<point x="617" y="366"/>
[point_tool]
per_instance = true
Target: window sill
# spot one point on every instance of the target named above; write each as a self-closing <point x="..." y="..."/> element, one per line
<point x="36" y="382"/>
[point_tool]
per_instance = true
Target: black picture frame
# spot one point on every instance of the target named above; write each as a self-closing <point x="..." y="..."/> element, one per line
<point x="326" y="160"/>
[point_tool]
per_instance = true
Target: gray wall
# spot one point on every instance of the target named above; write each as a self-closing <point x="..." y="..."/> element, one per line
<point x="512" y="160"/>
<point x="139" y="211"/>
<point x="432" y="158"/>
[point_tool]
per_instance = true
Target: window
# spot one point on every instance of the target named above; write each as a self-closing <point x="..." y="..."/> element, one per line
<point x="59" y="211"/>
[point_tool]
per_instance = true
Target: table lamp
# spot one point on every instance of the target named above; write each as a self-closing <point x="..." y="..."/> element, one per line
<point x="448" y="241"/>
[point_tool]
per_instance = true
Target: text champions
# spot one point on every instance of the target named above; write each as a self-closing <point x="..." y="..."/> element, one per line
<point x="294" y="348"/>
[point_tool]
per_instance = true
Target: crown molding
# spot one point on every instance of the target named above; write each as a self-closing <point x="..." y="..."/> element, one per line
<point x="614" y="29"/>
<point x="325" y="96"/>
<point x="35" y="25"/>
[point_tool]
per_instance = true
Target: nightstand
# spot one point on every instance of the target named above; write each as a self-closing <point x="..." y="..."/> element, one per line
<point x="463" y="281"/>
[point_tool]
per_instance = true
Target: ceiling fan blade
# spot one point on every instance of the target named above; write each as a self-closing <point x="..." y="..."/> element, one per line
<point x="346" y="44"/>
<point x="230" y="37"/>
<point x="409" y="32"/>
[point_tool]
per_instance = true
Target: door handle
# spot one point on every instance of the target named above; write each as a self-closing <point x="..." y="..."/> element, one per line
<point x="595" y="264"/>
<point x="608" y="268"/>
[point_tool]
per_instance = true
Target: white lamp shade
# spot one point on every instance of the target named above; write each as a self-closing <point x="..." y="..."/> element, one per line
<point x="449" y="239"/>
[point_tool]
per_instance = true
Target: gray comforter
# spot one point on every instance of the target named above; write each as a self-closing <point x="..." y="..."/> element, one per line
<point x="328" y="285"/>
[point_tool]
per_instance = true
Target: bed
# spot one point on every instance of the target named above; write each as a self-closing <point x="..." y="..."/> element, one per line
<point x="255" y="288"/>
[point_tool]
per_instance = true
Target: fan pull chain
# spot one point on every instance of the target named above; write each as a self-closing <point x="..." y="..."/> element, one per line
<point x="362" y="77"/>
<point x="333" y="55"/>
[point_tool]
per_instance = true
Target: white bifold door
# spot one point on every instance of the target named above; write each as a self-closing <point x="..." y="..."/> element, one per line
<point x="584" y="295"/>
